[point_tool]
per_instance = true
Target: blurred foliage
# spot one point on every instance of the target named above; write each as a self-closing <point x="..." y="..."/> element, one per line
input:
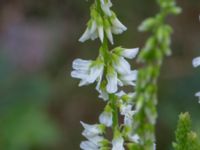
<point x="185" y="138"/>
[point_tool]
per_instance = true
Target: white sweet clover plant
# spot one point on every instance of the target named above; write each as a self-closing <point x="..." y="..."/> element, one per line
<point x="109" y="71"/>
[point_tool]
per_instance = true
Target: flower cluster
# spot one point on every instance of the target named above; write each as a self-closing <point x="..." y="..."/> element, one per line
<point x="95" y="133"/>
<point x="110" y="71"/>
<point x="103" y="20"/>
<point x="196" y="63"/>
<point x="109" y="74"/>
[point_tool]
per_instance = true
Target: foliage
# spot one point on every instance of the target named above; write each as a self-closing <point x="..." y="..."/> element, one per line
<point x="185" y="138"/>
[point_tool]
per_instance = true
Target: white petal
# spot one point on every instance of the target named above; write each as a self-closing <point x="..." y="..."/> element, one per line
<point x="93" y="27"/>
<point x="87" y="145"/>
<point x="96" y="140"/>
<point x="102" y="2"/>
<point x="112" y="82"/>
<point x="94" y="129"/>
<point x="196" y="62"/>
<point x="79" y="74"/>
<point x="85" y="36"/>
<point x="109" y="35"/>
<point x="104" y="95"/>
<point x="118" y="24"/>
<point x="101" y="33"/>
<point x="154" y="146"/>
<point x="117" y="144"/>
<point x="95" y="73"/>
<point x="94" y="35"/>
<point x="122" y="66"/>
<point x="106" y="119"/>
<point x="120" y="94"/>
<point x="124" y="109"/>
<point x="83" y="82"/>
<point x="80" y="64"/>
<point x="128" y="118"/>
<point x="106" y="9"/>
<point x="130" y="78"/>
<point x="197" y="94"/>
<point x="116" y="30"/>
<point x="130" y="53"/>
<point x="134" y="138"/>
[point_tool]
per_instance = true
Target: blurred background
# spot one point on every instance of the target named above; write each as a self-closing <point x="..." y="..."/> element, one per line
<point x="41" y="105"/>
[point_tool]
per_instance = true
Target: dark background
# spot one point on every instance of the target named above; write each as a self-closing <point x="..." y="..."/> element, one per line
<point x="41" y="105"/>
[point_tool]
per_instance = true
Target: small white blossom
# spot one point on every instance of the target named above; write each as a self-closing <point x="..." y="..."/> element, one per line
<point x="128" y="79"/>
<point x="128" y="113"/>
<point x="90" y="32"/>
<point x="87" y="145"/>
<point x="125" y="109"/>
<point x="118" y="143"/>
<point x="196" y="62"/>
<point x="86" y="70"/>
<point x="154" y="146"/>
<point x="122" y="66"/>
<point x="92" y="130"/>
<point x="101" y="33"/>
<point x="134" y="138"/>
<point x="112" y="80"/>
<point x="117" y="26"/>
<point x="109" y="35"/>
<point x="130" y="53"/>
<point x="198" y="95"/>
<point x="105" y="6"/>
<point x="103" y="94"/>
<point x="106" y="117"/>
<point x="93" y="134"/>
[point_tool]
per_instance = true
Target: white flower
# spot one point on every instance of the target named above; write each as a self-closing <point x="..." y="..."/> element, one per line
<point x="93" y="134"/>
<point x="106" y="118"/>
<point x="196" y="62"/>
<point x="129" y="53"/>
<point x="125" y="109"/>
<point x="95" y="27"/>
<point x="154" y="146"/>
<point x="120" y="94"/>
<point x="105" y="6"/>
<point x="118" y="143"/>
<point x="198" y="95"/>
<point x="117" y="26"/>
<point x="90" y="32"/>
<point x="87" y="145"/>
<point x="109" y="35"/>
<point x="122" y="66"/>
<point x="112" y="80"/>
<point x="101" y="33"/>
<point x="134" y="138"/>
<point x="81" y="70"/>
<point x="86" y="70"/>
<point x="92" y="130"/>
<point x="128" y="79"/>
<point x="103" y="94"/>
<point x="128" y="113"/>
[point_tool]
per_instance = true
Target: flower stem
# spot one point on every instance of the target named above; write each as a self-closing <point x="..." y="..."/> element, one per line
<point x="113" y="99"/>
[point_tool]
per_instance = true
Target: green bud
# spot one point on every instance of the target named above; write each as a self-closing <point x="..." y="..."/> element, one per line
<point x="147" y="25"/>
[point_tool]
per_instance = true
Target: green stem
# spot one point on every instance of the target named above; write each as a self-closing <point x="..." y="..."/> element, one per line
<point x="113" y="99"/>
